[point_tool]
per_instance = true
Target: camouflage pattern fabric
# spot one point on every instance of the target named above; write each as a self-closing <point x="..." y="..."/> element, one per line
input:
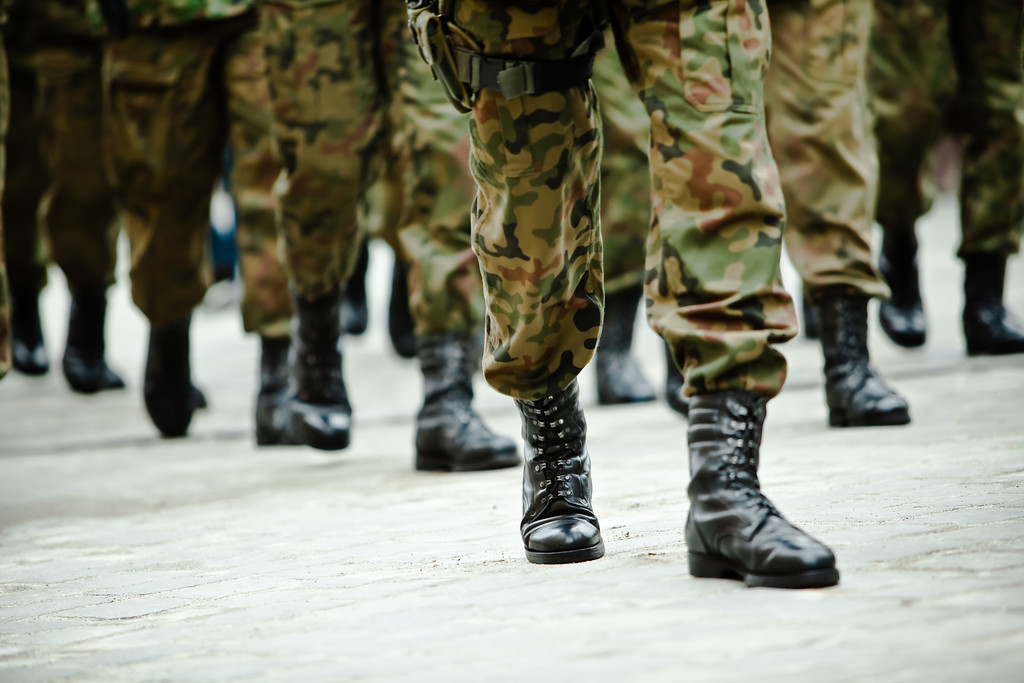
<point x="384" y="118"/>
<point x="171" y="101"/>
<point x="820" y="129"/>
<point x="935" y="62"/>
<point x="27" y="178"/>
<point x="625" y="174"/>
<point x="5" y="303"/>
<point x="266" y="304"/>
<point x="156" y="14"/>
<point x="713" y="286"/>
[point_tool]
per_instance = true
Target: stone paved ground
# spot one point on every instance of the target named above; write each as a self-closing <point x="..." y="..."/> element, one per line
<point x="126" y="557"/>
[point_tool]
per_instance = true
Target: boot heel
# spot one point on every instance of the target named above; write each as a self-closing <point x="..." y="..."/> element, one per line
<point x="706" y="567"/>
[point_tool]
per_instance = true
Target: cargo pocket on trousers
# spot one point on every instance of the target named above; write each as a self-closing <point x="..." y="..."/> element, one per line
<point x="141" y="113"/>
<point x="724" y="55"/>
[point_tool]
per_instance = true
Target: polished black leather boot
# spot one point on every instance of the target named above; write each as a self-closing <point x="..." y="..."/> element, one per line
<point x="84" y="365"/>
<point x="857" y="395"/>
<point x="619" y="379"/>
<point x="733" y="531"/>
<point x="317" y="411"/>
<point x="400" y="323"/>
<point x="902" y="315"/>
<point x="270" y="400"/>
<point x="167" y="388"/>
<point x="28" y="353"/>
<point x="355" y="315"/>
<point x="450" y="436"/>
<point x="677" y="401"/>
<point x="989" y="328"/>
<point x="559" y="525"/>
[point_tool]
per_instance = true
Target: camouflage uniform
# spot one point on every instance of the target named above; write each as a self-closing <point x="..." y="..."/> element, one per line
<point x="60" y="114"/>
<point x="187" y="80"/>
<point x="716" y="191"/>
<point x="820" y="130"/>
<point x="934" y="58"/>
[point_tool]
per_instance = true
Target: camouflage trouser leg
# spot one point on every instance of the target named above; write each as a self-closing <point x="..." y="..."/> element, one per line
<point x="820" y="129"/>
<point x="625" y="174"/>
<point x="987" y="37"/>
<point x="26" y="182"/>
<point x="167" y="118"/>
<point x="266" y="306"/>
<point x="445" y="289"/>
<point x="329" y="125"/>
<point x="536" y="162"/>
<point x="78" y="208"/>
<point x="5" y="307"/>
<point x="714" y="287"/>
<point x="933" y="55"/>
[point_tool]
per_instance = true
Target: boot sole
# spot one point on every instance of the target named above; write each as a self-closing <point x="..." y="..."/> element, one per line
<point x="443" y="462"/>
<point x="838" y="418"/>
<point x="707" y="567"/>
<point x="566" y="556"/>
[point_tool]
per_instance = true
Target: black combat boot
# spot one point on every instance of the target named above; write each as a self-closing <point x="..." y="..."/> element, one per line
<point x="28" y="353"/>
<point x="450" y="436"/>
<point x="317" y="411"/>
<point x="619" y="379"/>
<point x="273" y="390"/>
<point x="857" y="395"/>
<point x="559" y="525"/>
<point x="902" y="316"/>
<point x="733" y="531"/>
<point x="355" y="316"/>
<point x="400" y="323"/>
<point x="167" y="388"/>
<point x="989" y="328"/>
<point x="677" y="401"/>
<point x="85" y="367"/>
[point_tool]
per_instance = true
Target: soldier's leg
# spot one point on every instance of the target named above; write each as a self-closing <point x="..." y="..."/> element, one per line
<point x="445" y="294"/>
<point x="165" y="110"/>
<point x="78" y="208"/>
<point x="714" y="286"/>
<point x="986" y="37"/>
<point x="820" y="129"/>
<point x="27" y="255"/>
<point x="911" y="79"/>
<point x="625" y="221"/>
<point x="328" y="116"/>
<point x="536" y="162"/>
<point x="266" y="305"/>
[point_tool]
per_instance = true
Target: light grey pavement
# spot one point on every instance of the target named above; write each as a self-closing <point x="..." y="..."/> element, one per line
<point x="128" y="557"/>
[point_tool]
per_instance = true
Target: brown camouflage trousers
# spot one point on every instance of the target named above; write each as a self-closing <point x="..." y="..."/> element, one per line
<point x="820" y="129"/>
<point x="938" y="65"/>
<point x="713" y="287"/>
<point x="63" y="207"/>
<point x="353" y="103"/>
<point x="176" y="97"/>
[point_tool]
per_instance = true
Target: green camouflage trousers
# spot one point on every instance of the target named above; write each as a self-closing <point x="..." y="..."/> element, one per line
<point x="820" y="129"/>
<point x="63" y="207"/>
<point x="5" y="304"/>
<point x="939" y="64"/>
<point x="712" y="271"/>
<point x="175" y="99"/>
<point x="353" y="102"/>
<point x="821" y="135"/>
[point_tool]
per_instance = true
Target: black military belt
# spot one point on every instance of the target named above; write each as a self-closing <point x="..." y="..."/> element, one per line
<point x="514" y="78"/>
